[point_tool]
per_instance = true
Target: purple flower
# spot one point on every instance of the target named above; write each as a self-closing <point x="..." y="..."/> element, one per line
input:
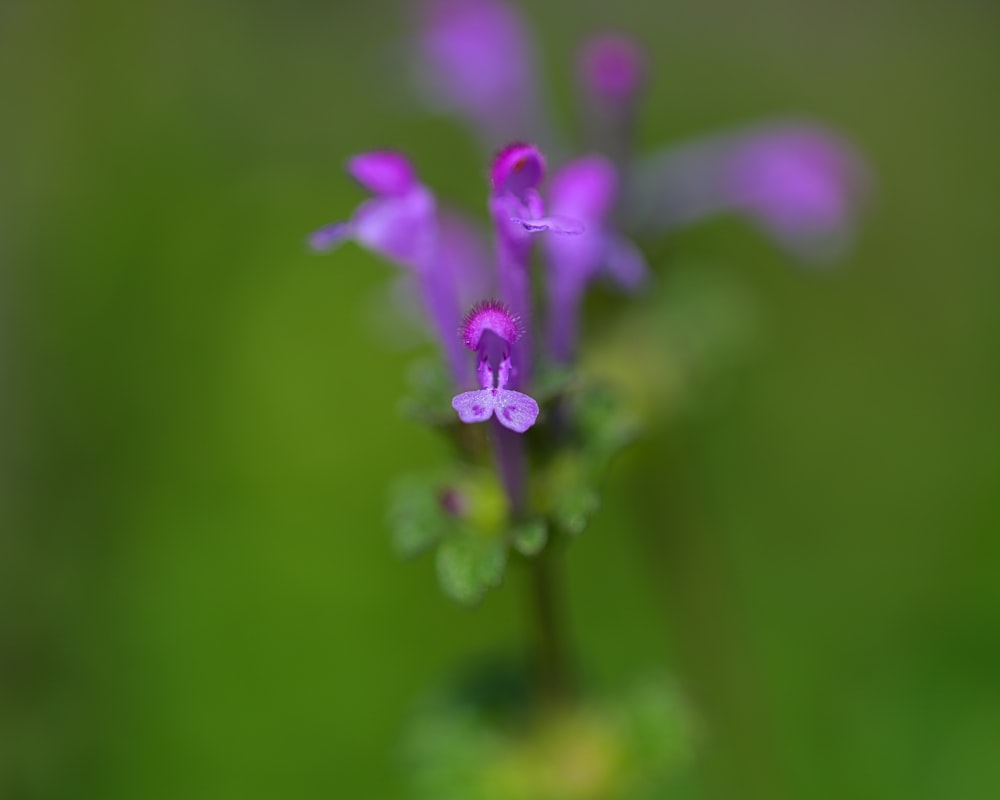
<point x="397" y="223"/>
<point x="518" y="212"/>
<point x="475" y="58"/>
<point x="493" y="317"/>
<point x="516" y="173"/>
<point x="465" y="258"/>
<point x="490" y="329"/>
<point x="400" y="222"/>
<point x="585" y="189"/>
<point x="799" y="182"/>
<point x="611" y="69"/>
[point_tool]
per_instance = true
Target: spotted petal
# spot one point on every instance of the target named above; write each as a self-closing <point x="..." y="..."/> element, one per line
<point x="515" y="410"/>
<point x="474" y="406"/>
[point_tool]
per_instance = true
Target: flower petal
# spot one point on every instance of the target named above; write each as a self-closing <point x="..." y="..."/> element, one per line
<point x="474" y="406"/>
<point x="475" y="58"/>
<point x="800" y="182"/>
<point x="400" y="228"/>
<point x="586" y="189"/>
<point x="612" y="66"/>
<point x="383" y="172"/>
<point x="517" y="168"/>
<point x="625" y="263"/>
<point x="462" y="255"/>
<point x="330" y="236"/>
<point x="489" y="315"/>
<point x="515" y="410"/>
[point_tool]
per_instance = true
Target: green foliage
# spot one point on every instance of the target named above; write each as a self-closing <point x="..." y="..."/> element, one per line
<point x="463" y="513"/>
<point x="605" y="424"/>
<point x="530" y="537"/>
<point x="636" y="744"/>
<point x="416" y="519"/>
<point x="468" y="565"/>
<point x="574" y="508"/>
<point x="431" y="390"/>
<point x="551" y="381"/>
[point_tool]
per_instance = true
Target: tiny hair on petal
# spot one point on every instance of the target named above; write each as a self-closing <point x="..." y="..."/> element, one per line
<point x="490" y="315"/>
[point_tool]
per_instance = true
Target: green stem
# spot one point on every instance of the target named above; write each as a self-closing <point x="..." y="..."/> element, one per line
<point x="552" y="665"/>
<point x="508" y="448"/>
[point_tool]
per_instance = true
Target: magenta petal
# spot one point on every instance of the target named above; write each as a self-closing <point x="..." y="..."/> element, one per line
<point x="800" y="182"/>
<point x="383" y="172"/>
<point x="625" y="263"/>
<point x="515" y="410"/>
<point x="516" y="169"/>
<point x="490" y="315"/>
<point x="612" y="66"/>
<point x="485" y="374"/>
<point x="474" y="406"/>
<point x="464" y="258"/>
<point x="586" y="189"/>
<point x="475" y="57"/>
<point x="329" y="236"/>
<point x="400" y="228"/>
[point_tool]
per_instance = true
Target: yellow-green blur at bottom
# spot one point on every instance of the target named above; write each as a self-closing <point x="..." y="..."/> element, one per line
<point x="636" y="744"/>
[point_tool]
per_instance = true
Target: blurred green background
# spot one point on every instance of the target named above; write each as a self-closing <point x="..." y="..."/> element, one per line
<point x="197" y="594"/>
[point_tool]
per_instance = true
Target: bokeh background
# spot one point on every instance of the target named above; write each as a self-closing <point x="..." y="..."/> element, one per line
<point x="197" y="594"/>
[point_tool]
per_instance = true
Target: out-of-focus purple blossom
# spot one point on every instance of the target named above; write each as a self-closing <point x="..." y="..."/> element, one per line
<point x="475" y="59"/>
<point x="465" y="257"/>
<point x="801" y="183"/>
<point x="611" y="70"/>
<point x="612" y="67"/>
<point x="490" y="329"/>
<point x="585" y="189"/>
<point x="384" y="173"/>
<point x="400" y="222"/>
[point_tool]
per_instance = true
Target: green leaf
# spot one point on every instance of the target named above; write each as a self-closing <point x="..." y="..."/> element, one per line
<point x="605" y="423"/>
<point x="530" y="537"/>
<point x="550" y="381"/>
<point x="468" y="565"/>
<point x="431" y="390"/>
<point x="417" y="520"/>
<point x="575" y="507"/>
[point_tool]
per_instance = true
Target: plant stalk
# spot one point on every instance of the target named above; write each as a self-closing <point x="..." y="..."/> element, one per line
<point x="552" y="662"/>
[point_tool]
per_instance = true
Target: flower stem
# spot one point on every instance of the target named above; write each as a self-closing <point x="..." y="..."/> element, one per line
<point x="552" y="663"/>
<point x="508" y="447"/>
